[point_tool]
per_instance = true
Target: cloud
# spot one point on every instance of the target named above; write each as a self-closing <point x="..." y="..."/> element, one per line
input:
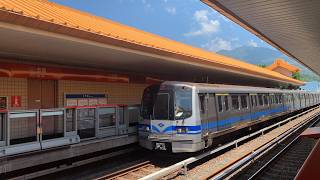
<point x="171" y="10"/>
<point x="205" y="25"/>
<point x="252" y="43"/>
<point x="218" y="44"/>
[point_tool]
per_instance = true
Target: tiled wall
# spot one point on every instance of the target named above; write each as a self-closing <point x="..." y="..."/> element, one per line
<point x="118" y="93"/>
<point x="14" y="87"/>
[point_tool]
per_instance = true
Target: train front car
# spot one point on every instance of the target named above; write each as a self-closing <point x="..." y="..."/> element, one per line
<point x="167" y="119"/>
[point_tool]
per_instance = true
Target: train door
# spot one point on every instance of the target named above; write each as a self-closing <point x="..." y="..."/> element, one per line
<point x="212" y="113"/>
<point x="244" y="108"/>
<point x="253" y="106"/>
<point x="206" y="106"/>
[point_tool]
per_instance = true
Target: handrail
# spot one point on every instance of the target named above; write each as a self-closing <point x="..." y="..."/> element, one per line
<point x="183" y="164"/>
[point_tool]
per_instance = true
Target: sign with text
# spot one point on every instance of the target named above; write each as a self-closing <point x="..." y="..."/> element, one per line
<point x="85" y="99"/>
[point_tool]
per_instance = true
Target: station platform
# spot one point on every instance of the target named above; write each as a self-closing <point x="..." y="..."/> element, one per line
<point x="38" y="158"/>
<point x="31" y="139"/>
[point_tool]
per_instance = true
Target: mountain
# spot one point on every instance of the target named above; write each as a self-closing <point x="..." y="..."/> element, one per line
<point x="266" y="56"/>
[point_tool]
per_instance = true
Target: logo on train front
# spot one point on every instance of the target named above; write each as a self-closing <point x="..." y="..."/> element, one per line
<point x="160" y="124"/>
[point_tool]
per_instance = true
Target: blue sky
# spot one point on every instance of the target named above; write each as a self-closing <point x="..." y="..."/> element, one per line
<point x="186" y="21"/>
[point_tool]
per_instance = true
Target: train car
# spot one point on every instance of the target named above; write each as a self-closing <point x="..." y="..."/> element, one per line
<point x="185" y="117"/>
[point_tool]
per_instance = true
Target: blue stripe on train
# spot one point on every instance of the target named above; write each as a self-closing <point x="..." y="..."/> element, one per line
<point x="221" y="123"/>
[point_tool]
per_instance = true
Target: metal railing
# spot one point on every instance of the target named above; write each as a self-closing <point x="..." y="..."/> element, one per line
<point x="184" y="164"/>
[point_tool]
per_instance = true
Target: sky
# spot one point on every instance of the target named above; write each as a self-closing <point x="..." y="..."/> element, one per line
<point x="187" y="21"/>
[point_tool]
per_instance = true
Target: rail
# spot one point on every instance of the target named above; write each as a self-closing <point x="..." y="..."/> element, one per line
<point x="277" y="155"/>
<point x="183" y="164"/>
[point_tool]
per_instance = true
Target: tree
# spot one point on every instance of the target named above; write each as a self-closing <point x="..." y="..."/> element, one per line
<point x="296" y="75"/>
<point x="262" y="65"/>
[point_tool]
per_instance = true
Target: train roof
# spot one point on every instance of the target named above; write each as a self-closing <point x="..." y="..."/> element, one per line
<point x="225" y="88"/>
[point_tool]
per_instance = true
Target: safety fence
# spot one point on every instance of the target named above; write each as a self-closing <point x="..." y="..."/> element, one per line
<point x="31" y="130"/>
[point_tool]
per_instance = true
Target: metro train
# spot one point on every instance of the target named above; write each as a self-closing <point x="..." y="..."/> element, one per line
<point x="186" y="117"/>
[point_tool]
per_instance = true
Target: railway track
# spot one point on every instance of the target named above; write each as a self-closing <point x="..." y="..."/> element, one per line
<point x="283" y="162"/>
<point x="235" y="159"/>
<point x="134" y="172"/>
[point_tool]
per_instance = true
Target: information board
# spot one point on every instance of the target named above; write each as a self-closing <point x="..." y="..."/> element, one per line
<point x="85" y="99"/>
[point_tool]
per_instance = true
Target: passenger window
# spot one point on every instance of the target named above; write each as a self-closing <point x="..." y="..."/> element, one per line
<point x="226" y="104"/>
<point x="244" y="103"/>
<point x="260" y="100"/>
<point x="220" y="103"/>
<point x="280" y="99"/>
<point x="277" y="99"/>
<point x="235" y="102"/>
<point x="265" y="99"/>
<point x="252" y="101"/>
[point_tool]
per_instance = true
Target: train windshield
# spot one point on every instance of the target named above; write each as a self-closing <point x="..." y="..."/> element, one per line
<point x="148" y="100"/>
<point x="161" y="107"/>
<point x="167" y="102"/>
<point x="183" y="102"/>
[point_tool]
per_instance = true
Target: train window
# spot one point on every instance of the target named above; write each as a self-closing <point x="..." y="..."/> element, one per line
<point x="226" y="103"/>
<point x="202" y="103"/>
<point x="277" y="99"/>
<point x="260" y="100"/>
<point x="235" y="102"/>
<point x="183" y="103"/>
<point x="280" y="99"/>
<point x="220" y="103"/>
<point x="243" y="99"/>
<point x="161" y="107"/>
<point x="265" y="99"/>
<point x="252" y="101"/>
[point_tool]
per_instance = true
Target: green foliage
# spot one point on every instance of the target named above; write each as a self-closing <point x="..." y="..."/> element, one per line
<point x="296" y="75"/>
<point x="262" y="65"/>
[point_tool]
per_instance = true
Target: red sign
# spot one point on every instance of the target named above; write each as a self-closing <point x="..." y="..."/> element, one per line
<point x="15" y="101"/>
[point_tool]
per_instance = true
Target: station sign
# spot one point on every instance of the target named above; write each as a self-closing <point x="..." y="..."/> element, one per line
<point x="85" y="99"/>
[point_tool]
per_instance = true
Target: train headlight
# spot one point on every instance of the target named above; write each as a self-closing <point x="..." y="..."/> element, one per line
<point x="147" y="128"/>
<point x="182" y="130"/>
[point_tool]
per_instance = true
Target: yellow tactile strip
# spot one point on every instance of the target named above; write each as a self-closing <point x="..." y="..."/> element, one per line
<point x="219" y="163"/>
<point x="61" y="19"/>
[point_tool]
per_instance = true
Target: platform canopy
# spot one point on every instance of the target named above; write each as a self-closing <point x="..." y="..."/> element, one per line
<point x="42" y="32"/>
<point x="292" y="26"/>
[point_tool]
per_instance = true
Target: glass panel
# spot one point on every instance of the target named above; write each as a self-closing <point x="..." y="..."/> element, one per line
<point x="148" y="100"/>
<point x="202" y="103"/>
<point x="70" y="120"/>
<point x="183" y="103"/>
<point x="52" y="126"/>
<point x="235" y="102"/>
<point x="244" y="103"/>
<point x="161" y="107"/>
<point x="121" y="116"/>
<point x="226" y="104"/>
<point x="107" y="117"/>
<point x="260" y="100"/>
<point x="86" y="122"/>
<point x="265" y="99"/>
<point x="219" y="103"/>
<point x="23" y="129"/>
<point x="133" y="115"/>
